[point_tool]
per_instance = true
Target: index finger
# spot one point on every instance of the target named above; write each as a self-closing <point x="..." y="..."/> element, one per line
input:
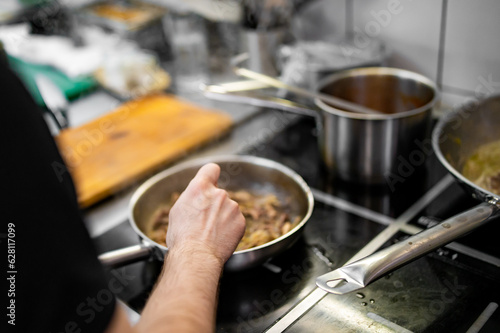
<point x="210" y="171"/>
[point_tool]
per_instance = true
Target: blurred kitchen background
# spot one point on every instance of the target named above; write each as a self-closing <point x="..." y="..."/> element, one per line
<point x="453" y="42"/>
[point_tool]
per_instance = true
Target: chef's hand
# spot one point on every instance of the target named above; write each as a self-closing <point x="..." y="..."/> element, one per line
<point x="204" y="219"/>
<point x="204" y="228"/>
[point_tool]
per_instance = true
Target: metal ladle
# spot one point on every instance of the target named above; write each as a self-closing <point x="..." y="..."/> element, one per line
<point x="332" y="100"/>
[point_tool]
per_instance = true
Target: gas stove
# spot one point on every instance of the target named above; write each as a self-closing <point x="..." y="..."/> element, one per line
<point x="453" y="289"/>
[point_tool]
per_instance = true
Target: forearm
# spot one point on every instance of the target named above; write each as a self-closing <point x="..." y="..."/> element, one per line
<point x="205" y="226"/>
<point x="185" y="297"/>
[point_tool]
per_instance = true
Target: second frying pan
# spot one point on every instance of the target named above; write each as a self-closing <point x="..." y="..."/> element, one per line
<point x="454" y="139"/>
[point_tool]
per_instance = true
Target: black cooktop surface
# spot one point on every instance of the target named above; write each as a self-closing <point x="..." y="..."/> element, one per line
<point x="453" y="289"/>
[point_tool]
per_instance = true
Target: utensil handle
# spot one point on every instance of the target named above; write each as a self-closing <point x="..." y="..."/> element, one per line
<point x="362" y="272"/>
<point x="127" y="255"/>
<point x="334" y="101"/>
<point x="219" y="93"/>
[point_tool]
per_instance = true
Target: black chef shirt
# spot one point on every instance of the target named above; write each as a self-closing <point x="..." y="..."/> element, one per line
<point x="56" y="283"/>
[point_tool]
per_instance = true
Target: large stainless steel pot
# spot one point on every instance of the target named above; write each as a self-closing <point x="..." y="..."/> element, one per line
<point x="251" y="173"/>
<point x="454" y="139"/>
<point x="365" y="147"/>
<point x="357" y="147"/>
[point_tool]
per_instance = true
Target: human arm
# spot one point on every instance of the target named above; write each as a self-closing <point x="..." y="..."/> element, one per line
<point x="60" y="277"/>
<point x="204" y="230"/>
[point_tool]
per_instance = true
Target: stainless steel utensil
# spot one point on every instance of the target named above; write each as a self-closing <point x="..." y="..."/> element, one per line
<point x="332" y="100"/>
<point x="367" y="148"/>
<point x="359" y="147"/>
<point x="227" y="93"/>
<point x="238" y="86"/>
<point x="54" y="100"/>
<point x="237" y="172"/>
<point x="454" y="139"/>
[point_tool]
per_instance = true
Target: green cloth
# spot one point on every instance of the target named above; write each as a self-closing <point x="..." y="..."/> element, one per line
<point x="32" y="2"/>
<point x="72" y="88"/>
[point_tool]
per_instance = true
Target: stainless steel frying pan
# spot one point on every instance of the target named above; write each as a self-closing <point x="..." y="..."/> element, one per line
<point x="257" y="175"/>
<point x="454" y="139"/>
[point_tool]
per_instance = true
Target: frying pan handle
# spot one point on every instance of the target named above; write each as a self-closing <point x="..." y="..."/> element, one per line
<point x="127" y="255"/>
<point x="360" y="273"/>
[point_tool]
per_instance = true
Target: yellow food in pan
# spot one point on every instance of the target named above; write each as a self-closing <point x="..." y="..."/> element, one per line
<point x="483" y="167"/>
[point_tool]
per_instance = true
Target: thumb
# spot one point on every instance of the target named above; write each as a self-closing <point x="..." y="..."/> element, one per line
<point x="210" y="172"/>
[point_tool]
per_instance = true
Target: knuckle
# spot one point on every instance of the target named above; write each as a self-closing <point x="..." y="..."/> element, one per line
<point x="241" y="223"/>
<point x="220" y="194"/>
<point x="233" y="205"/>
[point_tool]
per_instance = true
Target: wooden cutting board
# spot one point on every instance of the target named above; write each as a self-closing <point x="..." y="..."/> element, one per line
<point x="134" y="140"/>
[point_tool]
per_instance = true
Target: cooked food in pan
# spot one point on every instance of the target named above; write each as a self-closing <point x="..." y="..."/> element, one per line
<point x="483" y="167"/>
<point x="267" y="218"/>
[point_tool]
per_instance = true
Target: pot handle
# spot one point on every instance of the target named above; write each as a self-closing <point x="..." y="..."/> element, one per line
<point x="359" y="274"/>
<point x="219" y="93"/>
<point x="127" y="255"/>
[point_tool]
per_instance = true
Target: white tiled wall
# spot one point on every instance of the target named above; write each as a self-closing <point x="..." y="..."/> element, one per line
<point x="472" y="46"/>
<point x="409" y="28"/>
<point x="459" y="47"/>
<point x="321" y="20"/>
